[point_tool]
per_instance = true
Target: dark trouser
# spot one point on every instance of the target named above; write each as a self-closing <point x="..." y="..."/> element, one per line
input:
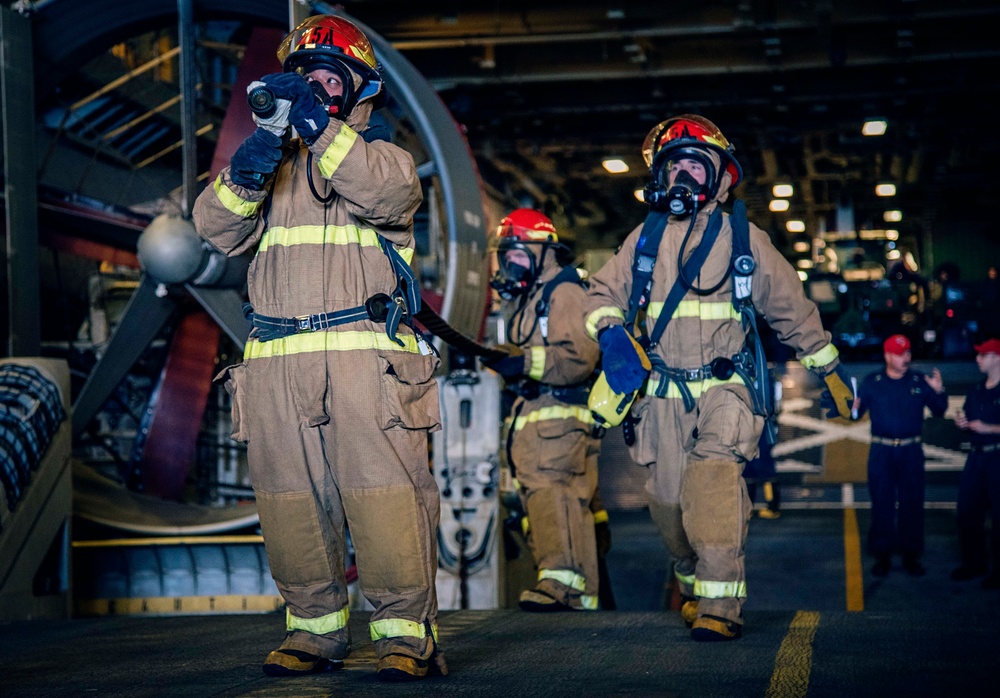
<point x="979" y="493"/>
<point x="896" y="473"/>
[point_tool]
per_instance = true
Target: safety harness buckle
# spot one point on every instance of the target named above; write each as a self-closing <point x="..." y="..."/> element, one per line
<point x="304" y="323"/>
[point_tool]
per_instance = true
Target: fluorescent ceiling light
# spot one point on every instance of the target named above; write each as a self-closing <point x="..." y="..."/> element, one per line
<point x="892" y="216"/>
<point x="804" y="264"/>
<point x="778" y="205"/>
<point x="874" y="127"/>
<point x="801" y="246"/>
<point x="782" y="191"/>
<point x="795" y="227"/>
<point x="885" y="190"/>
<point x="640" y="195"/>
<point x="892" y="254"/>
<point x="803" y="276"/>
<point x="892" y="235"/>
<point x="615" y="165"/>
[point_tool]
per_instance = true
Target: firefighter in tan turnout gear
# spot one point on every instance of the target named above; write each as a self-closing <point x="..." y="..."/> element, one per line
<point x="335" y="398"/>
<point x="551" y="432"/>
<point x="701" y="275"/>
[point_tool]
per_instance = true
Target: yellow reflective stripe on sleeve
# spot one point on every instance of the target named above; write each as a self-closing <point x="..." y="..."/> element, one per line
<point x="600" y="516"/>
<point x="823" y="357"/>
<point x="720" y="590"/>
<point x="555" y="412"/>
<point x="318" y="626"/>
<point x="406" y="253"/>
<point x="397" y="627"/>
<point x="318" y="235"/>
<point x="327" y="341"/>
<point x="589" y="602"/>
<point x="697" y="388"/>
<point x="567" y="577"/>
<point x="335" y="153"/>
<point x="537" y="363"/>
<point x="233" y="202"/>
<point x="695" y="308"/>
<point x="687" y="579"/>
<point x="600" y="314"/>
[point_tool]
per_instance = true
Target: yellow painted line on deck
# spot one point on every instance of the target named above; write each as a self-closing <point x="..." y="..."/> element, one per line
<point x="852" y="562"/>
<point x="793" y="663"/>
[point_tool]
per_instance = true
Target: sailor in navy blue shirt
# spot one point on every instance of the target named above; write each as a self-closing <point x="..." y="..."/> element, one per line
<point x="979" y="486"/>
<point x="895" y="397"/>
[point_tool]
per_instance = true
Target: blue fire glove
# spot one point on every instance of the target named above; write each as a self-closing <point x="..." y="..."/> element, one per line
<point x="624" y="362"/>
<point x="307" y="115"/>
<point x="510" y="366"/>
<point x="255" y="160"/>
<point x="838" y="398"/>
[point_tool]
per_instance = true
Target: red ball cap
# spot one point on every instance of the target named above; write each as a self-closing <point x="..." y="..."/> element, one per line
<point x="896" y="344"/>
<point x="990" y="346"/>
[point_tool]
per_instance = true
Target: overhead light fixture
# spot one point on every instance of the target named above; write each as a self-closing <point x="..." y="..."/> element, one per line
<point x="805" y="264"/>
<point x="874" y="127"/>
<point x="803" y="276"/>
<point x="795" y="226"/>
<point x="892" y="216"/>
<point x="801" y="246"/>
<point x="777" y="205"/>
<point x="892" y="235"/>
<point x="640" y="195"/>
<point x="782" y="191"/>
<point x="615" y="165"/>
<point x="893" y="254"/>
<point x="885" y="189"/>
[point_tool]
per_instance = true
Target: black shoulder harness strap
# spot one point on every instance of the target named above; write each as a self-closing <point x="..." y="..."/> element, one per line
<point x="566" y="274"/>
<point x="691" y="269"/>
<point x="643" y="262"/>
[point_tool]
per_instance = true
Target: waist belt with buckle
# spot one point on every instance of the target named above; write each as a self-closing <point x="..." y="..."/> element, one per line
<point x="720" y="368"/>
<point x="570" y="394"/>
<point x="895" y="442"/>
<point x="986" y="448"/>
<point x="268" y="328"/>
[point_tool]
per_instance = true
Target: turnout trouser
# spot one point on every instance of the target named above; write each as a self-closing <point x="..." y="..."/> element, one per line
<point x="697" y="496"/>
<point x="555" y="458"/>
<point x="335" y="438"/>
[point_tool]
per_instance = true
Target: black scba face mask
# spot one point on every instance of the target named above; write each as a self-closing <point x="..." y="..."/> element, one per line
<point x="512" y="280"/>
<point x="339" y="106"/>
<point x="685" y="195"/>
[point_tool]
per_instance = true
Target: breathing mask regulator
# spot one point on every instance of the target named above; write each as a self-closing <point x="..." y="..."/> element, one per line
<point x="513" y="280"/>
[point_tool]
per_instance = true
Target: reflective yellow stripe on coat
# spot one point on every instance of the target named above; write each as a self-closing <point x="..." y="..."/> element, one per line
<point x="698" y="309"/>
<point x="600" y="314"/>
<point x="327" y="341"/>
<point x="579" y="412"/>
<point x="335" y="153"/>
<point x="325" y="235"/>
<point x="233" y="202"/>
<point x="823" y="357"/>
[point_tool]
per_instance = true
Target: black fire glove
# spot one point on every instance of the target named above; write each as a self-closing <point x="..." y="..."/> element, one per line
<point x="255" y="160"/>
<point x="510" y="366"/>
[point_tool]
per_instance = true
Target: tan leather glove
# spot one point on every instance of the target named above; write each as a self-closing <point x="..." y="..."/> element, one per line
<point x="838" y="396"/>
